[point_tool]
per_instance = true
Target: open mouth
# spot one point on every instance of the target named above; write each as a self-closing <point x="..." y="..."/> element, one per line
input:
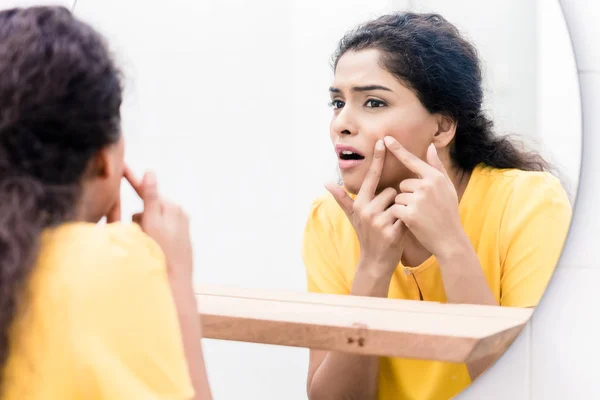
<point x="348" y="155"/>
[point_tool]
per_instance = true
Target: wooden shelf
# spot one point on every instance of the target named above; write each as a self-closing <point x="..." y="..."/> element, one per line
<point x="370" y="326"/>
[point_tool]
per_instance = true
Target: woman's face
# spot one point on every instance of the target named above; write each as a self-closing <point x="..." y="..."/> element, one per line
<point x="370" y="103"/>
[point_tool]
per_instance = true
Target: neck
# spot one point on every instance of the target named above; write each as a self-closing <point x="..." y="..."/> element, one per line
<point x="459" y="178"/>
<point x="86" y="208"/>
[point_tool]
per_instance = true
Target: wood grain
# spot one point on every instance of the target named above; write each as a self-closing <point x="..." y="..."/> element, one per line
<point x="362" y="325"/>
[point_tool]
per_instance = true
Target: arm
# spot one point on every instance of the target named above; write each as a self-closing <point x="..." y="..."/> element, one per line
<point x="533" y="232"/>
<point x="348" y="376"/>
<point x="462" y="275"/>
<point x="336" y="375"/>
<point x="168" y="233"/>
<point x="191" y="334"/>
<point x="464" y="282"/>
<point x="380" y="236"/>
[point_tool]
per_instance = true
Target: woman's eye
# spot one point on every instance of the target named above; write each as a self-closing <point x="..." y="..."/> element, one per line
<point x="375" y="103"/>
<point x="336" y="104"/>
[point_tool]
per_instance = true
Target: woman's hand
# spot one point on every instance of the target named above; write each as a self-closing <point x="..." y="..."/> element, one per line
<point x="380" y="233"/>
<point x="166" y="223"/>
<point x="428" y="205"/>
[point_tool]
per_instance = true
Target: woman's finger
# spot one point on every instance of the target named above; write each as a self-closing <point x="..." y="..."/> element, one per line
<point x="410" y="161"/>
<point x="152" y="202"/>
<point x="341" y="197"/>
<point x="134" y="181"/>
<point x="383" y="200"/>
<point x="371" y="182"/>
<point x="404" y="198"/>
<point x="410" y="185"/>
<point x="434" y="160"/>
<point x="388" y="217"/>
<point x="404" y="214"/>
<point x="399" y="229"/>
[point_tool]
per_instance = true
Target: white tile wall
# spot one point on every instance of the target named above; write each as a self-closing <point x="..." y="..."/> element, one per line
<point x="565" y="332"/>
<point x="509" y="378"/>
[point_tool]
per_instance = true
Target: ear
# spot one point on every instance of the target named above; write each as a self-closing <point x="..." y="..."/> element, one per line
<point x="445" y="133"/>
<point x="100" y="165"/>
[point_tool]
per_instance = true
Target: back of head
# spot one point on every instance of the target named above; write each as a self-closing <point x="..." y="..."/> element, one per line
<point x="430" y="56"/>
<point x="60" y="96"/>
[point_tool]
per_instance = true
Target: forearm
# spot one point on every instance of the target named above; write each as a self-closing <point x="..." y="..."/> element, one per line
<point x="465" y="282"/>
<point x="350" y="376"/>
<point x="191" y="333"/>
<point x="463" y="277"/>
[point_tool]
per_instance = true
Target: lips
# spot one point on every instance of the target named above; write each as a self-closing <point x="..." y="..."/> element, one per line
<point x="348" y="156"/>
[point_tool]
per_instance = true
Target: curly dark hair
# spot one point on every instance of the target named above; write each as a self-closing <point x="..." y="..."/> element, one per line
<point x="60" y="98"/>
<point x="431" y="57"/>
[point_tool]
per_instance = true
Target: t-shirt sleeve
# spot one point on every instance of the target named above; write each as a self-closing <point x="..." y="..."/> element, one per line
<point x="535" y="227"/>
<point x="319" y="253"/>
<point x="125" y="328"/>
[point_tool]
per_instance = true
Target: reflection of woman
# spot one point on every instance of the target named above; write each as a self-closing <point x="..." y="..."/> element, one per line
<point x="87" y="311"/>
<point x="439" y="208"/>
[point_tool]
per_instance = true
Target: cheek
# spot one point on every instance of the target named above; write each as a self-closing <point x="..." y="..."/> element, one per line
<point x="414" y="134"/>
<point x="393" y="172"/>
<point x="117" y="168"/>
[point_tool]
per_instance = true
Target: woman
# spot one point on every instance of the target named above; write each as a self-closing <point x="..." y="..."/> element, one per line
<point x="433" y="207"/>
<point x="87" y="311"/>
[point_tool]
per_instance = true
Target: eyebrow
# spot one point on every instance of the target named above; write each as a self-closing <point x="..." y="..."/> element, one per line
<point x="361" y="88"/>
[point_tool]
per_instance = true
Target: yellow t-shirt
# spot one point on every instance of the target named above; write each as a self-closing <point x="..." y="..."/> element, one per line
<point x="517" y="222"/>
<point x="99" y="321"/>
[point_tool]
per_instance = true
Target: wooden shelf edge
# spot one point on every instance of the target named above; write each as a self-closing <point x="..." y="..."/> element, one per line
<point x="244" y="319"/>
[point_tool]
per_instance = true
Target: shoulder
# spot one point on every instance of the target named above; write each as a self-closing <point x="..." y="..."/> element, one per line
<point x="128" y="240"/>
<point x="526" y="201"/>
<point x="90" y="259"/>
<point x="326" y="213"/>
<point x="126" y="251"/>
<point x="523" y="187"/>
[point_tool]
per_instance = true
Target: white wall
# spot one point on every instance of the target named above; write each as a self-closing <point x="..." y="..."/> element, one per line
<point x="227" y="101"/>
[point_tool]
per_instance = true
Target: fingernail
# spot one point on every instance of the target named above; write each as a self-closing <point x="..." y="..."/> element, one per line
<point x="379" y="145"/>
<point x="388" y="139"/>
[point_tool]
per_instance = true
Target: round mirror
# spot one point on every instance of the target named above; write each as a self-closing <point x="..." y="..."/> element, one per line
<point x="228" y="101"/>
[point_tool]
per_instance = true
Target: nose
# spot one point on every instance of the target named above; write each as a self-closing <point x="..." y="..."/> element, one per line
<point x="343" y="124"/>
